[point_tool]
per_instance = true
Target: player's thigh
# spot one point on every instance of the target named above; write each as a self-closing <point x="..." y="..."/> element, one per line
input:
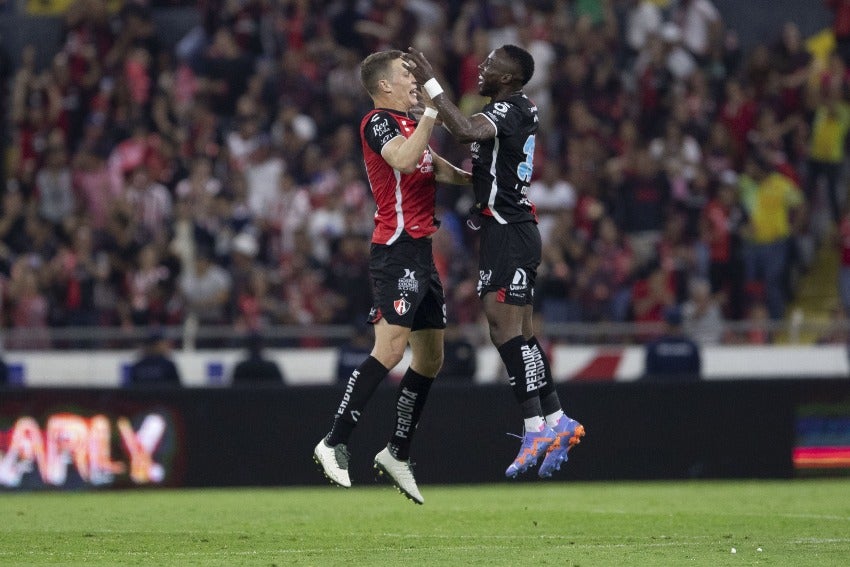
<point x="504" y="319"/>
<point x="390" y="342"/>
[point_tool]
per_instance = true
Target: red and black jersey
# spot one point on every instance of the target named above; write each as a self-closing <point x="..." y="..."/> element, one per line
<point x="405" y="202"/>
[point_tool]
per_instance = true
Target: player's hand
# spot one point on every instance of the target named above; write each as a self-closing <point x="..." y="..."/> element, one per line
<point x="418" y="65"/>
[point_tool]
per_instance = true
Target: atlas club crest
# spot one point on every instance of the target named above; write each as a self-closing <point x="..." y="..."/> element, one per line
<point x="401" y="306"/>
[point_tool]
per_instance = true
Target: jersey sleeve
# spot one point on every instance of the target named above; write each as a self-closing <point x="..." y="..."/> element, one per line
<point x="504" y="116"/>
<point x="380" y="129"/>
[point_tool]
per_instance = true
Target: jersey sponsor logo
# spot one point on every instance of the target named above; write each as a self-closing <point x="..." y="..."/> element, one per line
<point x="401" y="306"/>
<point x="520" y="280"/>
<point x="426" y="164"/>
<point x="519" y="284"/>
<point x="408" y="281"/>
<point x="500" y="109"/>
<point x="381" y="128"/>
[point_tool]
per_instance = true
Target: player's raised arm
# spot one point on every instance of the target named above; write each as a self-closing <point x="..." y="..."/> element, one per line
<point x="403" y="153"/>
<point x="463" y="128"/>
<point x="445" y="172"/>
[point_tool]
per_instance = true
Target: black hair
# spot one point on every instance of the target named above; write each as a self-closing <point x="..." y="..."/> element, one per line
<point x="523" y="60"/>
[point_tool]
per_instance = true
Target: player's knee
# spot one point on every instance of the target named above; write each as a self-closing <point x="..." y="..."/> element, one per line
<point x="499" y="337"/>
<point x="428" y="365"/>
<point x="388" y="354"/>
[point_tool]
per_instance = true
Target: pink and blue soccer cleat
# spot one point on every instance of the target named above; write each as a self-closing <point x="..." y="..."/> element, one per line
<point x="534" y="444"/>
<point x="568" y="433"/>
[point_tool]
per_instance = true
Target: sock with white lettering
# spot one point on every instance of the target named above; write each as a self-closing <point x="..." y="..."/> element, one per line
<point x="521" y="363"/>
<point x="359" y="388"/>
<point x="412" y="393"/>
<point x="545" y="385"/>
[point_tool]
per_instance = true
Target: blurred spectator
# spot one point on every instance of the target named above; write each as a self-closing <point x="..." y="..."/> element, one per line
<point x="701" y="24"/>
<point x="13" y="238"/>
<point x="28" y="309"/>
<point x="841" y="27"/>
<point x="643" y="20"/>
<point x="771" y="200"/>
<point x="154" y="368"/>
<point x="255" y="368"/>
<point x="206" y="289"/>
<point x="759" y="331"/>
<point x="80" y="276"/>
<point x="642" y="205"/>
<point x="619" y="265"/>
<point x="146" y="284"/>
<point x="224" y="70"/>
<point x="150" y="200"/>
<point x="673" y="356"/>
<point x="830" y="124"/>
<point x="722" y="224"/>
<point x="551" y="194"/>
<point x="791" y="61"/>
<point x="702" y="315"/>
<point x="652" y="293"/>
<point x="54" y="187"/>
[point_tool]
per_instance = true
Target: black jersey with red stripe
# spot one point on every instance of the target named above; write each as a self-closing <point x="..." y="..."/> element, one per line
<point x="405" y="202"/>
<point x="502" y="166"/>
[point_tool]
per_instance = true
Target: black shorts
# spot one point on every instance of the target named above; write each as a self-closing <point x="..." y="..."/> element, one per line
<point x="509" y="257"/>
<point x="406" y="286"/>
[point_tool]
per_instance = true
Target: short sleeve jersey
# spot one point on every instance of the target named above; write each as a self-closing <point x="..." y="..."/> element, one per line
<point x="405" y="202"/>
<point x="502" y="166"/>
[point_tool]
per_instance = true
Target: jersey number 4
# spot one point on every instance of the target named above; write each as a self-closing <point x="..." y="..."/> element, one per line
<point x="525" y="168"/>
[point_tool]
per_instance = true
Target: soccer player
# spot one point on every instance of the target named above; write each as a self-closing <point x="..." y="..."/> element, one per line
<point x="502" y="137"/>
<point x="409" y="307"/>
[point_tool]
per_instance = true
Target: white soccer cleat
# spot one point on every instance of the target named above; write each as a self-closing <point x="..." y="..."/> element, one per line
<point x="334" y="462"/>
<point x="399" y="473"/>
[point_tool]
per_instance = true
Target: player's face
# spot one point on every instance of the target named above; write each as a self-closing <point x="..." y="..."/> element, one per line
<point x="490" y="73"/>
<point x="405" y="89"/>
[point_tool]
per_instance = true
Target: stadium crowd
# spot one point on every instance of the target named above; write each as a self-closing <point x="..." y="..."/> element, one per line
<point x="222" y="176"/>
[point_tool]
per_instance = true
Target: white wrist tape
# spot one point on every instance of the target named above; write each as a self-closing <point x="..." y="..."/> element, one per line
<point x="430" y="112"/>
<point x="433" y="88"/>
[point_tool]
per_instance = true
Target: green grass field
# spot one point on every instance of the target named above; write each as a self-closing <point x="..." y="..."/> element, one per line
<point x="787" y="523"/>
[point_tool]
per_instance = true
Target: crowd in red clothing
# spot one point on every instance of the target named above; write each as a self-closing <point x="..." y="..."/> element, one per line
<point x="222" y="176"/>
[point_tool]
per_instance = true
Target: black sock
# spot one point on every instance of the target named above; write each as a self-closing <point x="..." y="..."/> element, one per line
<point x="412" y="393"/>
<point x="520" y="362"/>
<point x="359" y="388"/>
<point x="545" y="385"/>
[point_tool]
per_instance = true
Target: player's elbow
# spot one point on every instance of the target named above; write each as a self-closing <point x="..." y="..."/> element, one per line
<point x="407" y="168"/>
<point x="464" y="137"/>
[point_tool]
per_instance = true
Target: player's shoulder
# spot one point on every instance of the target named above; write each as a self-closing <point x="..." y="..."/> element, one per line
<point x="518" y="103"/>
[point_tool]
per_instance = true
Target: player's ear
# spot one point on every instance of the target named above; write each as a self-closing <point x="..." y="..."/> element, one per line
<point x="384" y="85"/>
